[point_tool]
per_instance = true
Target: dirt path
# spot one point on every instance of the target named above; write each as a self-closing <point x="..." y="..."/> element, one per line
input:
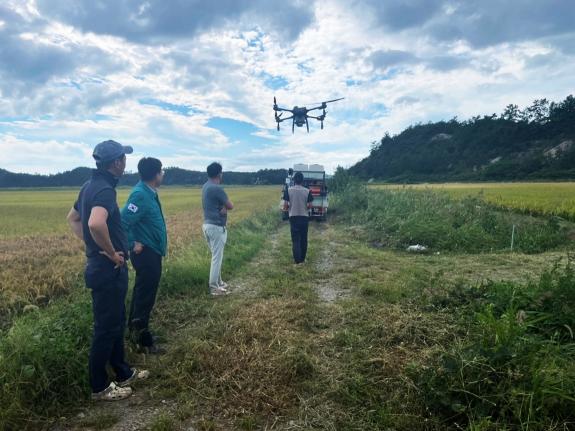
<point x="330" y="265"/>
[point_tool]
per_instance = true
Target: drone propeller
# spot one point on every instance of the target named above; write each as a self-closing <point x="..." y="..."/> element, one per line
<point x="327" y="101"/>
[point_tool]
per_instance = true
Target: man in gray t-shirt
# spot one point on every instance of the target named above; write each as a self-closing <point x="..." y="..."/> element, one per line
<point x="216" y="205"/>
<point x="214" y="199"/>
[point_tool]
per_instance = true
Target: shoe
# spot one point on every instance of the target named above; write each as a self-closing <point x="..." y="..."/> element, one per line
<point x="154" y="349"/>
<point x="218" y="291"/>
<point x="136" y="376"/>
<point x="223" y="285"/>
<point x="113" y="393"/>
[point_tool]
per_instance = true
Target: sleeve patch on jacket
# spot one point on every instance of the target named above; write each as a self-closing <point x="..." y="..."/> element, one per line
<point x="133" y="208"/>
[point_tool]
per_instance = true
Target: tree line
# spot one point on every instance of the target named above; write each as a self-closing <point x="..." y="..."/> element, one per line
<point x="173" y="176"/>
<point x="537" y="142"/>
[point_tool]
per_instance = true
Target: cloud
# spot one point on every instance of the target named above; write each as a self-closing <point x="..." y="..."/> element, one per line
<point x="403" y="14"/>
<point x="193" y="81"/>
<point x="384" y="59"/>
<point x="30" y="156"/>
<point x="159" y="21"/>
<point x="489" y="22"/>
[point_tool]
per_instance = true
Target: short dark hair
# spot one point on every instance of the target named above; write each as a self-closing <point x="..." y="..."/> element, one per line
<point x="214" y="169"/>
<point x="148" y="168"/>
<point x="298" y="178"/>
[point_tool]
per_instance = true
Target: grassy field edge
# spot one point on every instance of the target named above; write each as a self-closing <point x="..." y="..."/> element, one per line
<point x="43" y="357"/>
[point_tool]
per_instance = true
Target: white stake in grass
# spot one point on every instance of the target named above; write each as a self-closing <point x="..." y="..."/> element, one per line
<point x="512" y="237"/>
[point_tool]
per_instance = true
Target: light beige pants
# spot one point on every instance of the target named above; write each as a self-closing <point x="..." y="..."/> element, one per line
<point x="216" y="236"/>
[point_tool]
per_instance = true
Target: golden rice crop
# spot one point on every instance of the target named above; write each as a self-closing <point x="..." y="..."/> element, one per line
<point x="539" y="198"/>
<point x="40" y="258"/>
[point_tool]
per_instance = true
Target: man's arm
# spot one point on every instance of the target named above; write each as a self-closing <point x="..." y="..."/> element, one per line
<point x="226" y="202"/>
<point x="286" y="198"/>
<point x="75" y="222"/>
<point x="131" y="214"/>
<point x="101" y="235"/>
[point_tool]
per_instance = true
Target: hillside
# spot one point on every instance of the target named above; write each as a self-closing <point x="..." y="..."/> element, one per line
<point x="534" y="143"/>
<point x="174" y="176"/>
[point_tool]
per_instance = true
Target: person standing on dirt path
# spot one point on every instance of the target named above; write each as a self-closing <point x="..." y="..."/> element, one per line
<point x="298" y="200"/>
<point x="143" y="221"/>
<point x="95" y="218"/>
<point x="216" y="205"/>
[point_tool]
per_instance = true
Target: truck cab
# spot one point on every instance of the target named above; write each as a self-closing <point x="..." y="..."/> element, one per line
<point x="313" y="179"/>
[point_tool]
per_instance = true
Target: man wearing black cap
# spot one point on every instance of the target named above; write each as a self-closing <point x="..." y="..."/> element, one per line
<point x="95" y="218"/>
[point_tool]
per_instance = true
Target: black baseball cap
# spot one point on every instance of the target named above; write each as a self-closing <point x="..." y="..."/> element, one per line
<point x="109" y="151"/>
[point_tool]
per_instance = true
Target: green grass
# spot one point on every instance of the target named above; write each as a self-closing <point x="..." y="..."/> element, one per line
<point x="515" y="369"/>
<point x="399" y="218"/>
<point x="43" y="355"/>
<point x="556" y="198"/>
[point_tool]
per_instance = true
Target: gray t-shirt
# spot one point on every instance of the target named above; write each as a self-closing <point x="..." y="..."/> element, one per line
<point x="213" y="200"/>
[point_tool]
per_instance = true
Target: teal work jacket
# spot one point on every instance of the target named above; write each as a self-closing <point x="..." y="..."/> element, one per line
<point x="143" y="219"/>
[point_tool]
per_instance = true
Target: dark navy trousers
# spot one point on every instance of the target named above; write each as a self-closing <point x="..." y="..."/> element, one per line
<point x="109" y="287"/>
<point x="299" y="228"/>
<point x="148" y="266"/>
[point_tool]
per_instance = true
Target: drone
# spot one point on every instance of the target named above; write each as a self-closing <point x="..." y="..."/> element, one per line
<point x="300" y="115"/>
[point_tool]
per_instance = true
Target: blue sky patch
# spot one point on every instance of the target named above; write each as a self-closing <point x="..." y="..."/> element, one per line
<point x="179" y="109"/>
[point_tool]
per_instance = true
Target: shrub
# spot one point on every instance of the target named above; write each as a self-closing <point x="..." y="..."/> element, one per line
<point x="517" y="368"/>
<point x="405" y="217"/>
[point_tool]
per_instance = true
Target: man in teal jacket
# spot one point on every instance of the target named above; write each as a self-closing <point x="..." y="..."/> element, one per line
<point x="143" y="221"/>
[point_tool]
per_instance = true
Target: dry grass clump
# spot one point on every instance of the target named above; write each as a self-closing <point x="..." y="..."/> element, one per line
<point x="248" y="360"/>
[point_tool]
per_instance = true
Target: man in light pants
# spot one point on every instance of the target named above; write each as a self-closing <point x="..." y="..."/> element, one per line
<point x="216" y="206"/>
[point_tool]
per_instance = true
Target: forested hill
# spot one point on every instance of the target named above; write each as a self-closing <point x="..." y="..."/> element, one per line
<point x="535" y="143"/>
<point x="174" y="176"/>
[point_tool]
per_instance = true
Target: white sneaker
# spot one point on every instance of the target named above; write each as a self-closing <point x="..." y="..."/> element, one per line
<point x="112" y="393"/>
<point x="137" y="375"/>
<point x="218" y="291"/>
<point x="223" y="285"/>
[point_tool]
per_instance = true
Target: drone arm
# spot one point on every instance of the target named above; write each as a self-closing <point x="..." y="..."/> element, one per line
<point x="317" y="107"/>
<point x="279" y="120"/>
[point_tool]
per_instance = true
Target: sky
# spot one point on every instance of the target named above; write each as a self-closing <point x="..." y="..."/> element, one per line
<point x="191" y="81"/>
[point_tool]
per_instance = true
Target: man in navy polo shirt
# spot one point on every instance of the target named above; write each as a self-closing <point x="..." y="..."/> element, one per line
<point x="95" y="218"/>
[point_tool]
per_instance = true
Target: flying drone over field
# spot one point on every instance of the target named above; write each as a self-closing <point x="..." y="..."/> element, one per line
<point x="300" y="115"/>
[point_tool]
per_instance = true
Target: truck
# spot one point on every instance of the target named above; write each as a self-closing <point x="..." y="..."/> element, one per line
<point x="314" y="179"/>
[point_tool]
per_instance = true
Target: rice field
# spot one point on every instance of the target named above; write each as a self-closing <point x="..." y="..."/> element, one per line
<point x="364" y="336"/>
<point x="41" y="259"/>
<point x="556" y="199"/>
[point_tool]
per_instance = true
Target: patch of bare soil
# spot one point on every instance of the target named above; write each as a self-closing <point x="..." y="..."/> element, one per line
<point x="329" y="287"/>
